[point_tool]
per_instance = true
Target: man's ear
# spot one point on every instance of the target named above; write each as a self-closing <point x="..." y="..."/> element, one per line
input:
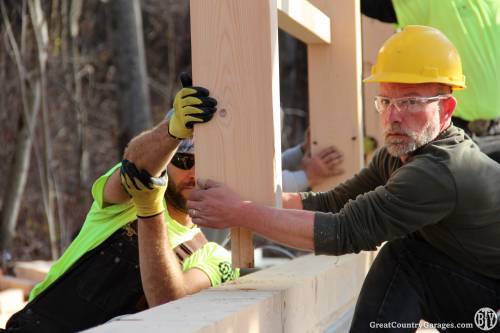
<point x="449" y="105"/>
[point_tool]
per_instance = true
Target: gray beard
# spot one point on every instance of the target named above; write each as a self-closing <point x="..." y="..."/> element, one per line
<point x="402" y="148"/>
<point x="398" y="149"/>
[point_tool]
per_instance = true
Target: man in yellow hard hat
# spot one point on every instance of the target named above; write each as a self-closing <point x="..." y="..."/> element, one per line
<point x="429" y="192"/>
<point x="474" y="28"/>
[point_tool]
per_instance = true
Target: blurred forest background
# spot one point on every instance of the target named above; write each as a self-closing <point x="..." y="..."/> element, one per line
<point x="73" y="92"/>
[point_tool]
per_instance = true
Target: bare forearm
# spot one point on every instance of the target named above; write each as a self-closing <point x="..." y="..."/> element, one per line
<point x="294" y="228"/>
<point x="217" y="206"/>
<point x="153" y="149"/>
<point x="150" y="150"/>
<point x="162" y="277"/>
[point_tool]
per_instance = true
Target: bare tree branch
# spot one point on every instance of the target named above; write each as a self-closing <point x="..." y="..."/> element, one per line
<point x="134" y="114"/>
<point x="19" y="169"/>
<point x="41" y="36"/>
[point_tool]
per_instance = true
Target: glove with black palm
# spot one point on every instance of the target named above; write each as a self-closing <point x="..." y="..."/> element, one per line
<point x="147" y="192"/>
<point x="191" y="105"/>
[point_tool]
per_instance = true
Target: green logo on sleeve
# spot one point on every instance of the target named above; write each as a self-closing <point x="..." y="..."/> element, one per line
<point x="226" y="271"/>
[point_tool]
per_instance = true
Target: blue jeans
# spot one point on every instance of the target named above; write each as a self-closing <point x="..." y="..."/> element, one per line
<point x="411" y="280"/>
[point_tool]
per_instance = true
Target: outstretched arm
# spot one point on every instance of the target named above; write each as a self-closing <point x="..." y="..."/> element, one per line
<point x="161" y="273"/>
<point x="218" y="207"/>
<point x="152" y="150"/>
<point x="162" y="278"/>
<point x="149" y="153"/>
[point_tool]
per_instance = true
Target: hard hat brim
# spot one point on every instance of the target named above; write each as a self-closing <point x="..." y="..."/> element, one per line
<point x="414" y="79"/>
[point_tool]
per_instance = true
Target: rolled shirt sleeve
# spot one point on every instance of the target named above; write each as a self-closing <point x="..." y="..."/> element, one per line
<point x="215" y="261"/>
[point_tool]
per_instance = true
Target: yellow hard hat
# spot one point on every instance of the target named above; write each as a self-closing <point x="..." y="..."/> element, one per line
<point x="418" y="54"/>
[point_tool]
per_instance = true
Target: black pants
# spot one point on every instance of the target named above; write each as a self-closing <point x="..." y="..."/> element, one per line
<point x="103" y="284"/>
<point x="411" y="280"/>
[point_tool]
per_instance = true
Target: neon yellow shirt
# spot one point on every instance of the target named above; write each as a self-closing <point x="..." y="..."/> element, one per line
<point x="103" y="220"/>
<point x="474" y="28"/>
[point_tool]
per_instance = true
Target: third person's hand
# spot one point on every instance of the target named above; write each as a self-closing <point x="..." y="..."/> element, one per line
<point x="322" y="165"/>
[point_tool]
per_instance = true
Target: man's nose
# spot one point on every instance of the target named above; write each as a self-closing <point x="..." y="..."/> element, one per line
<point x="393" y="114"/>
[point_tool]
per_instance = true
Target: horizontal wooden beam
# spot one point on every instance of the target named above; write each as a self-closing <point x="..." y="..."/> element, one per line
<point x="308" y="294"/>
<point x="32" y="270"/>
<point x="11" y="282"/>
<point x="304" y="21"/>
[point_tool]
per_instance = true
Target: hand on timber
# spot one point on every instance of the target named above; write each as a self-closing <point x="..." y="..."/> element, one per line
<point x="322" y="165"/>
<point x="191" y="105"/>
<point x="214" y="205"/>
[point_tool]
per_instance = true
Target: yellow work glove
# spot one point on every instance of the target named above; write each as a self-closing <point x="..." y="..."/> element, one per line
<point x="147" y="192"/>
<point x="191" y="105"/>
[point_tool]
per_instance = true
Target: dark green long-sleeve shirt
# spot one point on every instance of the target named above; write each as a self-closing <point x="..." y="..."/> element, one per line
<point x="448" y="192"/>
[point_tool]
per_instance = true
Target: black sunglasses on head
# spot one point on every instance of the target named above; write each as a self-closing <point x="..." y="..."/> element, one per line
<point x="183" y="161"/>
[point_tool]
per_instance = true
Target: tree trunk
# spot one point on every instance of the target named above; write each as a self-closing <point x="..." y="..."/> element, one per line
<point x="20" y="164"/>
<point x="133" y="94"/>
<point x="18" y="173"/>
<point x="47" y="180"/>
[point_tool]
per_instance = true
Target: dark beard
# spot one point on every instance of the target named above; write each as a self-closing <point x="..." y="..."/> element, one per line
<point x="175" y="198"/>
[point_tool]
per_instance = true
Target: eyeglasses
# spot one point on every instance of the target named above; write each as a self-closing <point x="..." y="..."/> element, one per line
<point x="406" y="104"/>
<point x="183" y="161"/>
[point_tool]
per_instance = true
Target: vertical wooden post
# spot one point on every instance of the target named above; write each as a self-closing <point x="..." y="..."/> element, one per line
<point x="374" y="34"/>
<point x="335" y="87"/>
<point x="235" y="55"/>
